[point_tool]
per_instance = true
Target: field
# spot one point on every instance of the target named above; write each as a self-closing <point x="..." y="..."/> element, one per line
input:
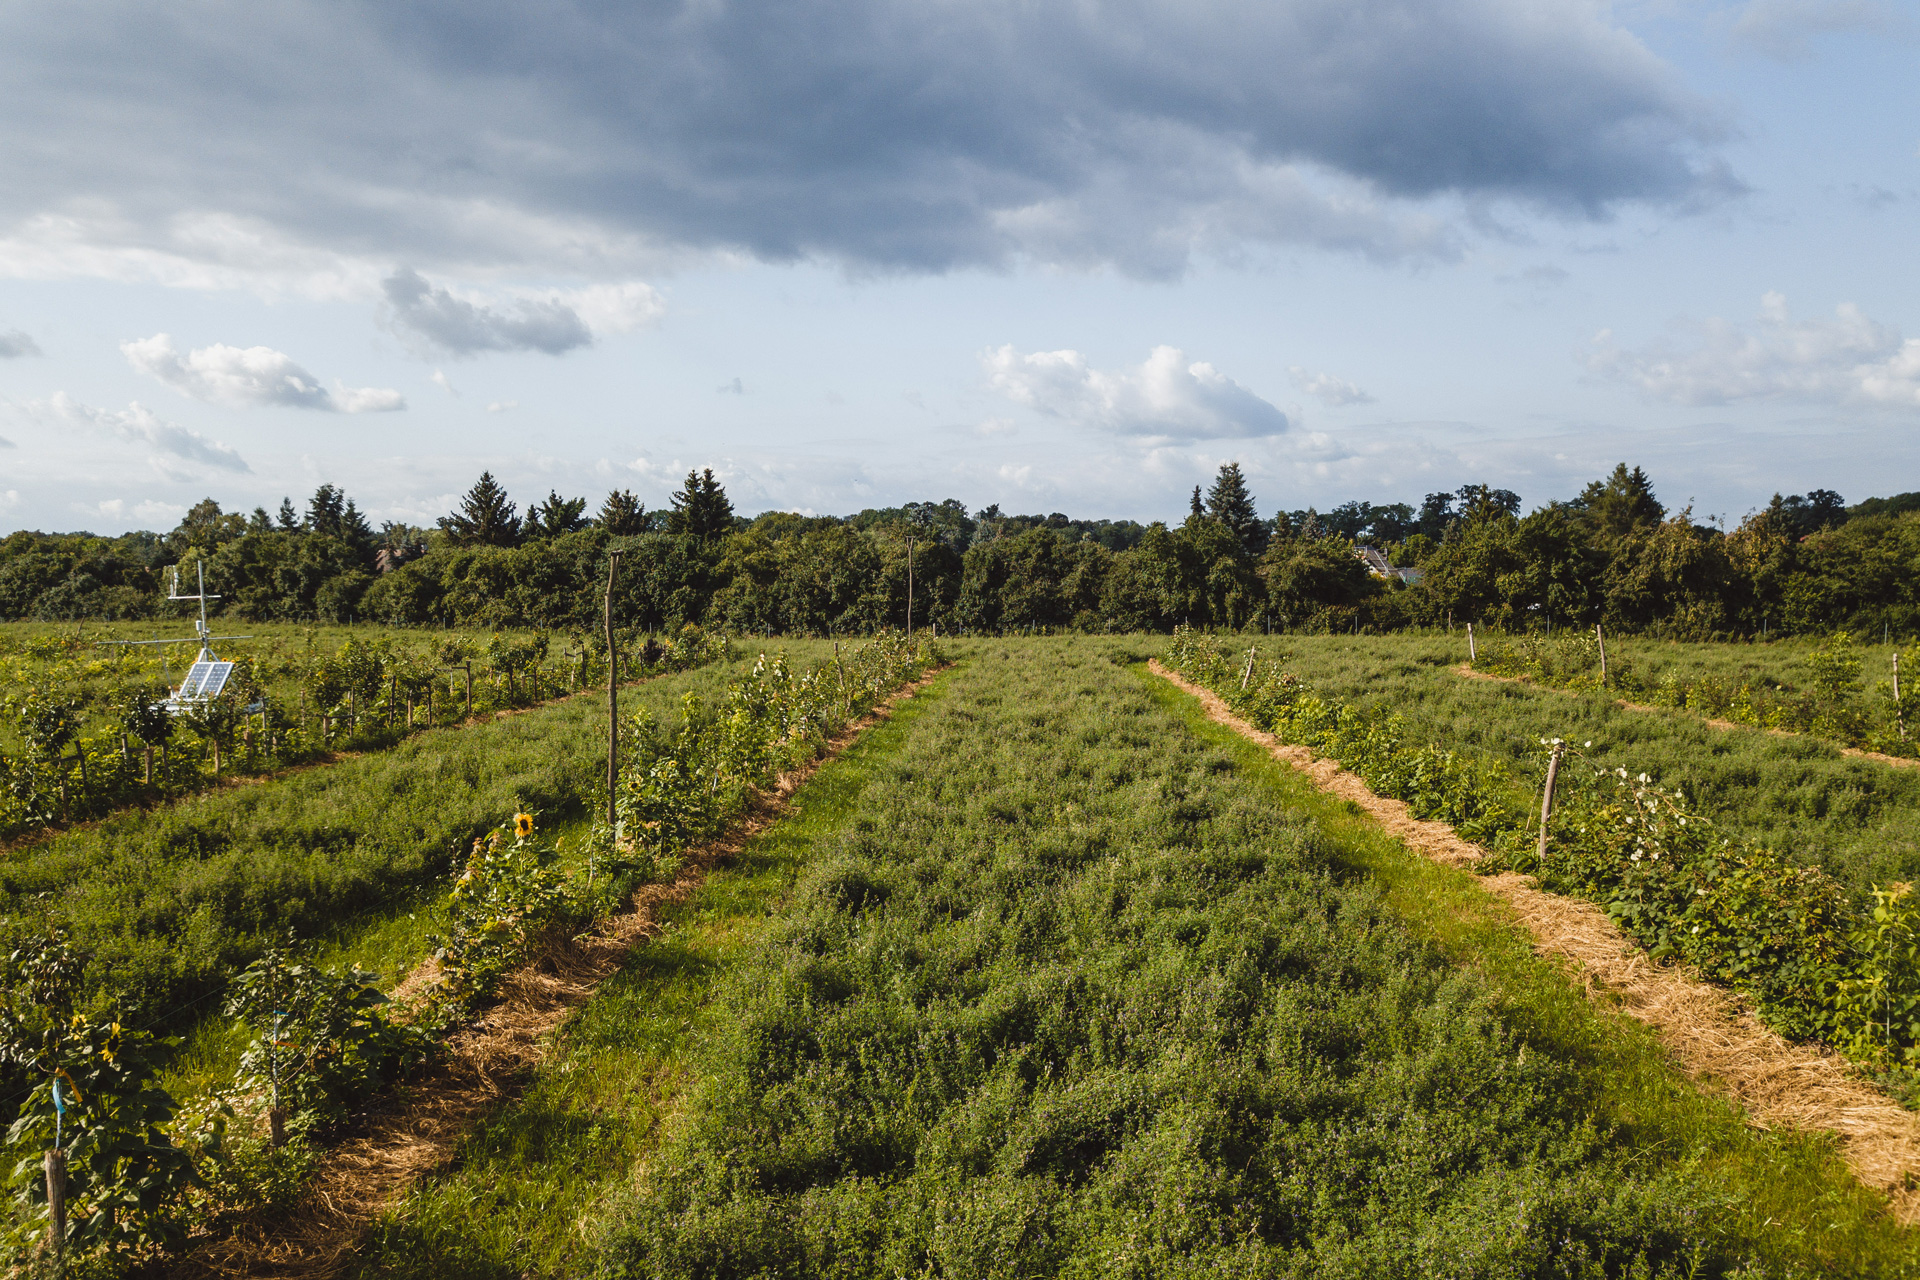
<point x="80" y="735"/>
<point x="1046" y="975"/>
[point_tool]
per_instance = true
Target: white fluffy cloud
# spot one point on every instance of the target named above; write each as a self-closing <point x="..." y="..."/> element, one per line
<point x="554" y="322"/>
<point x="1165" y="397"/>
<point x="243" y="377"/>
<point x="170" y="444"/>
<point x="1849" y="359"/>
<point x="1328" y="389"/>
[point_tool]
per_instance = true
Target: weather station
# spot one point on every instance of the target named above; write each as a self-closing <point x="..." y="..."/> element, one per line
<point x="208" y="675"/>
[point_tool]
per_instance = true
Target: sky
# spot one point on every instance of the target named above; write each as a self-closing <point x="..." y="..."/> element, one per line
<point x="1058" y="256"/>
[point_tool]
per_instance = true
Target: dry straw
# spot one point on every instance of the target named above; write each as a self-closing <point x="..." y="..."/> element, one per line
<point x="1716" y="1041"/>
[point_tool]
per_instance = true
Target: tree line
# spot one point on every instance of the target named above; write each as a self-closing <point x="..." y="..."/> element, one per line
<point x="1612" y="554"/>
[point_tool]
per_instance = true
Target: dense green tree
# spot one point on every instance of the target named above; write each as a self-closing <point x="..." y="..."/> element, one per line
<point x="485" y="517"/>
<point x="623" y="515"/>
<point x="1306" y="576"/>
<point x="555" y="516"/>
<point x="1621" y="505"/>
<point x="1229" y="502"/>
<point x="701" y="509"/>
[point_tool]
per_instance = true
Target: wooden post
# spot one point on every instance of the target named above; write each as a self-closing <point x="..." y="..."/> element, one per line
<point x="56" y="1167"/>
<point x="353" y="710"/>
<point x="909" y="589"/>
<point x="216" y="755"/>
<point x="1601" y="636"/>
<point x="1472" y="657"/>
<point x="467" y="667"/>
<point x="326" y="729"/>
<point x="1899" y="715"/>
<point x="146" y="774"/>
<point x="1248" y="673"/>
<point x="613" y="692"/>
<point x="248" y="735"/>
<point x="277" y="1126"/>
<point x="1546" y="798"/>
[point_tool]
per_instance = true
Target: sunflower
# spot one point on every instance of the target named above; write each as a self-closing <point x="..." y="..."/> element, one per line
<point x="523" y="825"/>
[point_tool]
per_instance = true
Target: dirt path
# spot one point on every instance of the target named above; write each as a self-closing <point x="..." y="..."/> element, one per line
<point x="1715" y="1041"/>
<point x="420" y="1127"/>
<point x="1898" y="762"/>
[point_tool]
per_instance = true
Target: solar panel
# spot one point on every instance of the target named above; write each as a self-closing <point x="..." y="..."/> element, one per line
<point x="198" y="672"/>
<point x="215" y="679"/>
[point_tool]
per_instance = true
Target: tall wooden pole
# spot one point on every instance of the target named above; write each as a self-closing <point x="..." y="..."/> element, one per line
<point x="613" y="692"/>
<point x="1601" y="636"/>
<point x="909" y="588"/>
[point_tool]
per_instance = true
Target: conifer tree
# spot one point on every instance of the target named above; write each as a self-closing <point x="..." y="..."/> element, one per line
<point x="1620" y="505"/>
<point x="1230" y="503"/>
<point x="485" y="517"/>
<point x="701" y="510"/>
<point x="1198" y="506"/>
<point x="623" y="514"/>
<point x="555" y="516"/>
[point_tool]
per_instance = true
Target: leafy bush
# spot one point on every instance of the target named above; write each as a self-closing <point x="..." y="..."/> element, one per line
<point x="320" y="1041"/>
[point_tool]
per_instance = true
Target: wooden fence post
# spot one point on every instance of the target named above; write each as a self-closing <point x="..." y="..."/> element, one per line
<point x="613" y="692"/>
<point x="56" y="1167"/>
<point x="1899" y="715"/>
<point x="1472" y="657"/>
<point x="467" y="667"/>
<point x="1546" y="798"/>
<point x="1248" y="673"/>
<point x="1601" y="636"/>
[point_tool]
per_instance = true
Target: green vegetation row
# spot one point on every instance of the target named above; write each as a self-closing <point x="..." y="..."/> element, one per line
<point x="323" y="1040"/>
<point x="1611" y="553"/>
<point x="1784" y="935"/>
<point x="1831" y="701"/>
<point x="1069" y="994"/>
<point x="277" y="709"/>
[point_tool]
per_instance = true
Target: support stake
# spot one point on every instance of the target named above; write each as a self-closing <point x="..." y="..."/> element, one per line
<point x="613" y="692"/>
<point x="1546" y="797"/>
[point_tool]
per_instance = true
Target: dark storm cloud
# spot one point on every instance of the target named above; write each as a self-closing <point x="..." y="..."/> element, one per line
<point x="464" y="328"/>
<point x="912" y="134"/>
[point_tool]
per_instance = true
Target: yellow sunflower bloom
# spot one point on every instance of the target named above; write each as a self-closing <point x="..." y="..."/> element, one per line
<point x="523" y="825"/>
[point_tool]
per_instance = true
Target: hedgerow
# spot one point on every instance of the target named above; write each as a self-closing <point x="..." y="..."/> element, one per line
<point x="1784" y="935"/>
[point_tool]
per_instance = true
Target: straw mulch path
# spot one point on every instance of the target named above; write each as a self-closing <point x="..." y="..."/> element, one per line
<point x="1713" y="1038"/>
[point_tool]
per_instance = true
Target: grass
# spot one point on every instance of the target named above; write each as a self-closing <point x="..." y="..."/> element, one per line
<point x="1080" y="985"/>
<point x="1788" y="1196"/>
<point x="524" y="1182"/>
<point x="1859" y="819"/>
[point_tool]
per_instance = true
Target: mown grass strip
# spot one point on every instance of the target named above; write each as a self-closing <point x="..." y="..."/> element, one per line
<point x="530" y="1180"/>
<point x="1788" y="1196"/>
